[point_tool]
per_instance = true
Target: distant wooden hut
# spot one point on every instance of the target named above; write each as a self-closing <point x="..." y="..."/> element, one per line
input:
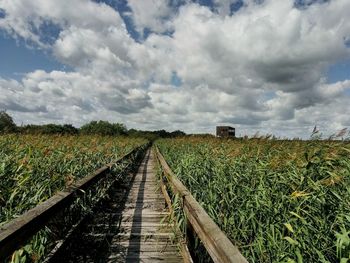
<point x="225" y="131"/>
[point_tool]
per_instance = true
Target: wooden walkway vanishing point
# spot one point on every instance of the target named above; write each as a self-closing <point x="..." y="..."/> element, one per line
<point x="128" y="228"/>
<point x="127" y="224"/>
<point x="142" y="237"/>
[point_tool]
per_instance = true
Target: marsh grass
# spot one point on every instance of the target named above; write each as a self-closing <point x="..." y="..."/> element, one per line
<point x="34" y="167"/>
<point x="278" y="201"/>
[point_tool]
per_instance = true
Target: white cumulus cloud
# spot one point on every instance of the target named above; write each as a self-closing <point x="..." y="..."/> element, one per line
<point x="262" y="68"/>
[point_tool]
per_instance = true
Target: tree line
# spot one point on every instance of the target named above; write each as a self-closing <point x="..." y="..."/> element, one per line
<point x="7" y="125"/>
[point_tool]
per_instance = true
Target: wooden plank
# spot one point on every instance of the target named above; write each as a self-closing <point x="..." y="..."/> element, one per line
<point x="149" y="243"/>
<point x="145" y="212"/>
<point x="142" y="237"/>
<point x="186" y="255"/>
<point x="146" y="224"/>
<point x="151" y="247"/>
<point x="217" y="244"/>
<point x="153" y="254"/>
<point x="175" y="183"/>
<point x="215" y="241"/>
<point x="144" y="259"/>
<point x="139" y="237"/>
<point x="16" y="233"/>
<point x="183" y="246"/>
<point x="144" y="206"/>
<point x="166" y="196"/>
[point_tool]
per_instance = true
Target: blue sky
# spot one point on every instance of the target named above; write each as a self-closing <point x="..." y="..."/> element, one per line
<point x="178" y="64"/>
<point x="19" y="57"/>
<point x="339" y="71"/>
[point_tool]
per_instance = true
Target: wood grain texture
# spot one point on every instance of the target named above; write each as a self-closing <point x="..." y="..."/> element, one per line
<point x="16" y="233"/>
<point x="142" y="237"/>
<point x="215" y="241"/>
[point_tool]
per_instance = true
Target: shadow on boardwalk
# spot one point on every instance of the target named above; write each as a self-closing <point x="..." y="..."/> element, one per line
<point x="92" y="240"/>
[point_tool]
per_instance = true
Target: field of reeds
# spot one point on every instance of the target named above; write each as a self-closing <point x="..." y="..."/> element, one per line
<point x="35" y="167"/>
<point x="278" y="201"/>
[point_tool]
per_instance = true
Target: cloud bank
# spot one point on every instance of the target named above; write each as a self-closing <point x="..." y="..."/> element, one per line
<point x="258" y="67"/>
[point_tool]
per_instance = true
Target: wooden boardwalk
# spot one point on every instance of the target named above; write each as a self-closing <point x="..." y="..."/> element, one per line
<point x="124" y="225"/>
<point x="142" y="237"/>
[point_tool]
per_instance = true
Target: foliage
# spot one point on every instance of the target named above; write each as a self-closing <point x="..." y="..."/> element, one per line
<point x="92" y="128"/>
<point x="6" y="123"/>
<point x="152" y="135"/>
<point x="33" y="168"/>
<point x="278" y="201"/>
<point x="103" y="128"/>
<point x="48" y="129"/>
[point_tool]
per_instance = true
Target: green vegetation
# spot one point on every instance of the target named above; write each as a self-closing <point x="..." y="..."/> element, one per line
<point x="6" y="123"/>
<point x="103" y="128"/>
<point x="278" y="201"/>
<point x="100" y="127"/>
<point x="65" y="129"/>
<point x="34" y="167"/>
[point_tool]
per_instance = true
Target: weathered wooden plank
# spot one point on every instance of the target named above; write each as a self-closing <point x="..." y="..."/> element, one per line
<point x="149" y="243"/>
<point x="142" y="237"/>
<point x="186" y="255"/>
<point x="166" y="196"/>
<point x="18" y="231"/>
<point x="148" y="200"/>
<point x="146" y="195"/>
<point x="215" y="241"/>
<point x="144" y="229"/>
<point x="151" y="254"/>
<point x="139" y="227"/>
<point x="145" y="212"/>
<point x="175" y="183"/>
<point x="147" y="255"/>
<point x="160" y="250"/>
<point x="144" y="259"/>
<point x="144" y="206"/>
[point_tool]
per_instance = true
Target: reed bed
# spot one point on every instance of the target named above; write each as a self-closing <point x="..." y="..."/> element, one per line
<point x="35" y="167"/>
<point x="278" y="201"/>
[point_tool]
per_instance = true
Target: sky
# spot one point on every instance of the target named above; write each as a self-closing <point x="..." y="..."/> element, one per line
<point x="267" y="66"/>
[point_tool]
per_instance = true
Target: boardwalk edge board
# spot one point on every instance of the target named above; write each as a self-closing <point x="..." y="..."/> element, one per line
<point x="18" y="231"/>
<point x="139" y="237"/>
<point x="219" y="247"/>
